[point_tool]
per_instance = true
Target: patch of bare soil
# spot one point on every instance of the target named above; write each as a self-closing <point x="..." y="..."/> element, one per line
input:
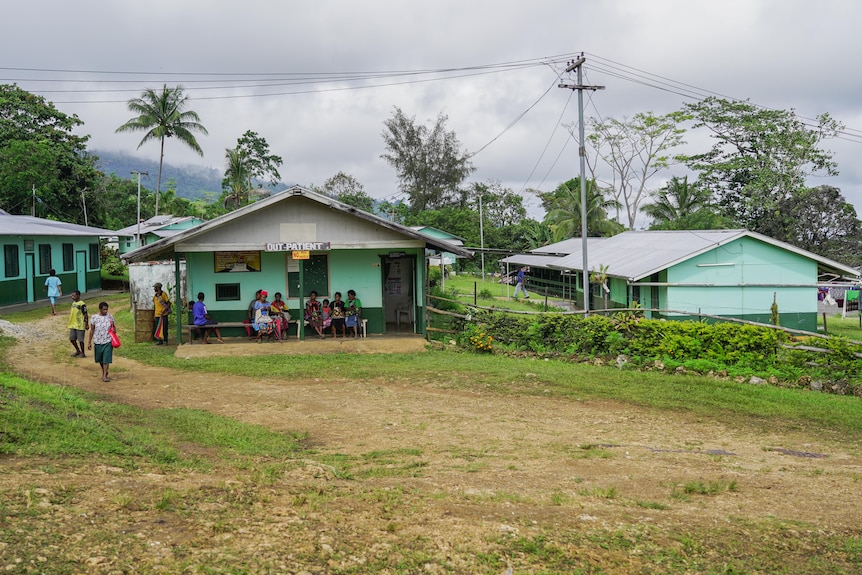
<point x="499" y="481"/>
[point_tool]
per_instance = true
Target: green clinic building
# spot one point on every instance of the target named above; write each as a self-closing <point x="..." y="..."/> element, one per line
<point x="32" y="247"/>
<point x="297" y="241"/>
<point x="681" y="274"/>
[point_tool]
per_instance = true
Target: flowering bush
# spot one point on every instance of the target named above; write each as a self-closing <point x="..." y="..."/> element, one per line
<point x="478" y="339"/>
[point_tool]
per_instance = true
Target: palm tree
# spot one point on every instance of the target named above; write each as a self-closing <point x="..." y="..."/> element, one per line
<point x="676" y="201"/>
<point x="237" y="178"/>
<point x="163" y="115"/>
<point x="563" y="207"/>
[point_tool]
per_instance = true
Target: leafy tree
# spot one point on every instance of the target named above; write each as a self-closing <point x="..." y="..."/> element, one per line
<point x="821" y="220"/>
<point x="397" y="212"/>
<point x="635" y="150"/>
<point x="760" y="159"/>
<point x="430" y="164"/>
<point x="261" y="164"/>
<point x="563" y="211"/>
<point x="501" y="207"/>
<point x="347" y="189"/>
<point x="683" y="206"/>
<point x="38" y="150"/>
<point x="164" y="115"/>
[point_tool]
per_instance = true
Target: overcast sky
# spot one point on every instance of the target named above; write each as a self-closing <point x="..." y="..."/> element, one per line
<point x="90" y="57"/>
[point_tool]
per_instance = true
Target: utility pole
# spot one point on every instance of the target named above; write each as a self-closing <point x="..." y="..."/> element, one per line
<point x="84" y="202"/>
<point x="138" y="238"/>
<point x="482" y="236"/>
<point x="577" y="65"/>
<point x="33" y="206"/>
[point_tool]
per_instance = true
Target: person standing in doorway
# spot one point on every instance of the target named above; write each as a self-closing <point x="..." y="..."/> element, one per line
<point x="79" y="322"/>
<point x="100" y="325"/>
<point x="161" y="311"/>
<point x="55" y="289"/>
<point x="521" y="283"/>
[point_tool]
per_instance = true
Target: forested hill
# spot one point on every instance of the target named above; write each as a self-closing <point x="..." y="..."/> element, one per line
<point x="192" y="182"/>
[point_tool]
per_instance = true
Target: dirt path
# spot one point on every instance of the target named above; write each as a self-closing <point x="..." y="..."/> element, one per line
<point x="529" y="449"/>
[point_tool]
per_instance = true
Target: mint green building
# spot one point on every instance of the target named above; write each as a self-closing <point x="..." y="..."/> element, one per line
<point x="34" y="246"/>
<point x="152" y="230"/>
<point x="680" y="274"/>
<point x="297" y="241"/>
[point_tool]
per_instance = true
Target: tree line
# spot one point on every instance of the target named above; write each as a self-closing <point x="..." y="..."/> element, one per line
<point x="754" y="175"/>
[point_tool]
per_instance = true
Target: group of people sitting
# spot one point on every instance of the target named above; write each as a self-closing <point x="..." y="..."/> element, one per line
<point x="336" y="315"/>
<point x="271" y="318"/>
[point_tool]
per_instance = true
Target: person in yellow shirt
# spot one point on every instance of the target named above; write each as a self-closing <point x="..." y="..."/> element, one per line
<point x="78" y="324"/>
<point x="161" y="311"/>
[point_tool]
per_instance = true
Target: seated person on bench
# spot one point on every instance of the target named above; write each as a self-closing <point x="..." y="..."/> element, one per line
<point x="201" y="318"/>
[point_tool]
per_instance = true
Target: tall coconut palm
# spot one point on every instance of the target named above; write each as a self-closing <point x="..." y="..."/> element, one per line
<point x="237" y="178"/>
<point x="676" y="201"/>
<point x="563" y="207"/>
<point x="161" y="115"/>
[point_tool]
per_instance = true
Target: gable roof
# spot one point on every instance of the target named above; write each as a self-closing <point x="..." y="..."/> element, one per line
<point x="634" y="255"/>
<point x="164" y="248"/>
<point x="32" y="226"/>
<point x="154" y="224"/>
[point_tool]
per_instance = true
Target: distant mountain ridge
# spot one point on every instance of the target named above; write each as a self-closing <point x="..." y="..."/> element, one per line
<point x="192" y="182"/>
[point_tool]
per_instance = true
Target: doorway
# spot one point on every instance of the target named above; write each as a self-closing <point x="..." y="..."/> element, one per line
<point x="399" y="294"/>
<point x="29" y="270"/>
<point x="81" y="270"/>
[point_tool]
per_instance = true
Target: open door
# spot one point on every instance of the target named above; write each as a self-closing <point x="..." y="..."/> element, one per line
<point x="399" y="294"/>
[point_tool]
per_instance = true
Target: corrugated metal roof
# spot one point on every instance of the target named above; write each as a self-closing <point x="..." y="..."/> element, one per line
<point x="154" y="223"/>
<point x="532" y="260"/>
<point x="31" y="226"/>
<point x="634" y="255"/>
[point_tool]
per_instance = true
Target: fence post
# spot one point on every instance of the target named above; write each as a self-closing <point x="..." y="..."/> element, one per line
<point x="825" y="329"/>
<point x="475" y="302"/>
<point x="546" y="298"/>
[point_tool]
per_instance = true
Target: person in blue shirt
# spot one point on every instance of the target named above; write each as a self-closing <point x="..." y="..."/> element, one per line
<point x="55" y="289"/>
<point x="521" y="283"/>
<point x="201" y="317"/>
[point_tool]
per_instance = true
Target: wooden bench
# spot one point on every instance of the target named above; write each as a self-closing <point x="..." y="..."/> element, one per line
<point x="192" y="328"/>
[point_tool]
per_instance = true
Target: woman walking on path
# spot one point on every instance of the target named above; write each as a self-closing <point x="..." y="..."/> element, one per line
<point x="100" y="326"/>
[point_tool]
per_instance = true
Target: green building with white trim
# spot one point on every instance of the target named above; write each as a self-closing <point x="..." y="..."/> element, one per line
<point x="297" y="241"/>
<point x="34" y="246"/>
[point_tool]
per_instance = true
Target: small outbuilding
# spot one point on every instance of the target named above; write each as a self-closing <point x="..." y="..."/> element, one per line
<point x="297" y="241"/>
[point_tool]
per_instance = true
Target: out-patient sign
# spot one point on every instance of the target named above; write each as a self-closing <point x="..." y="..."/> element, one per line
<point x="300" y="254"/>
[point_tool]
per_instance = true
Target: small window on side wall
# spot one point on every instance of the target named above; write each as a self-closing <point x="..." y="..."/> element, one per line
<point x="95" y="260"/>
<point x="68" y="257"/>
<point x="11" y="265"/>
<point x="227" y="292"/>
<point x="44" y="258"/>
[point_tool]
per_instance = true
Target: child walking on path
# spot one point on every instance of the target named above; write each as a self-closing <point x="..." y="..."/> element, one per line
<point x="55" y="289"/>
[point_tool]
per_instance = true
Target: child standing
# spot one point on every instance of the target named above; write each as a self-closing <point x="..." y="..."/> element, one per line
<point x="353" y="313"/>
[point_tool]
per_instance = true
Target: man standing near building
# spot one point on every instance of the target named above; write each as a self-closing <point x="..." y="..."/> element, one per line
<point x="79" y="322"/>
<point x="521" y="283"/>
<point x="161" y="311"/>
